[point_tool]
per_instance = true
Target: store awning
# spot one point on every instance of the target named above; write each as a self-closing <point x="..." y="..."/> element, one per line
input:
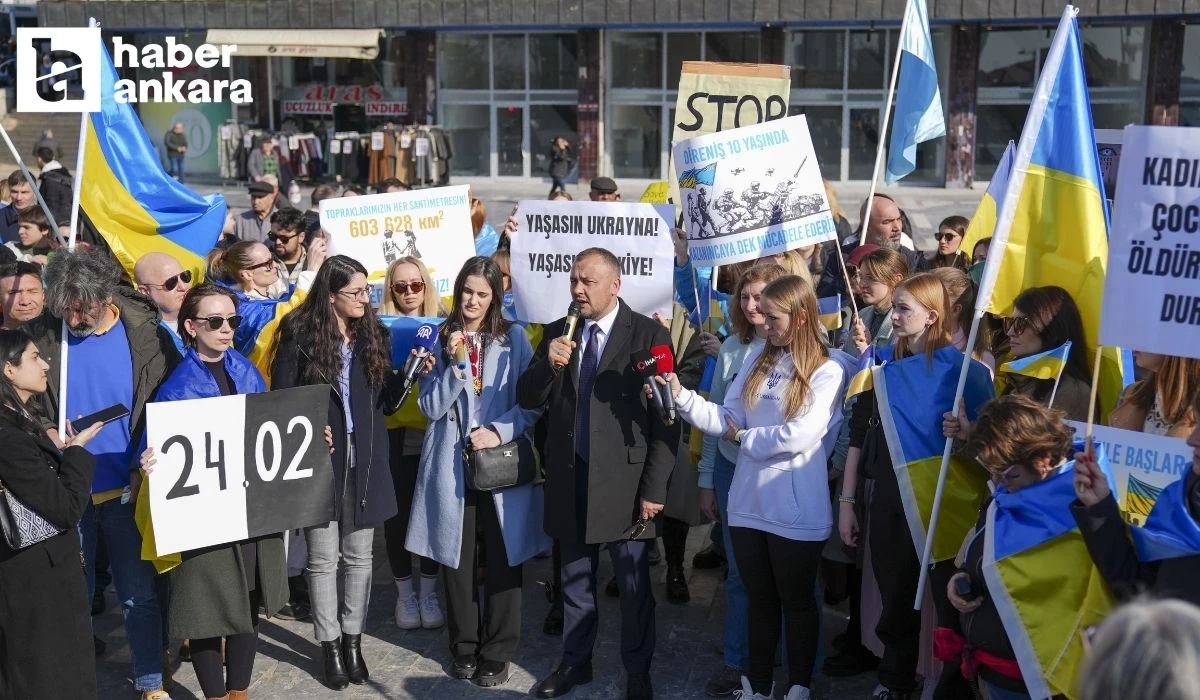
<point x="300" y="43"/>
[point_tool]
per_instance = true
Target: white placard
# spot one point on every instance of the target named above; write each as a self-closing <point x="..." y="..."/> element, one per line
<point x="376" y="140"/>
<point x="1152" y="284"/>
<point x="431" y="224"/>
<point x="422" y="146"/>
<point x="335" y="147"/>
<point x="752" y="192"/>
<point x="1142" y="465"/>
<point x="550" y="234"/>
<point x="405" y="140"/>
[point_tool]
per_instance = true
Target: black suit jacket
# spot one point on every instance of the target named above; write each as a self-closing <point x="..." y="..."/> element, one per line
<point x="632" y="451"/>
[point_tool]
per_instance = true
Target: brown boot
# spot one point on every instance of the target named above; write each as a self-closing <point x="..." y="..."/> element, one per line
<point x="223" y="697"/>
<point x="238" y="694"/>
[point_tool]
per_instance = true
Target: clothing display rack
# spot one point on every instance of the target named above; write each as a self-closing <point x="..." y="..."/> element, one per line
<point x="418" y="156"/>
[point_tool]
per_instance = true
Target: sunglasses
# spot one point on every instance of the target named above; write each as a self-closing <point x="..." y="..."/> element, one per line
<point x="1016" y="325"/>
<point x="273" y="237"/>
<point x="268" y="265"/>
<point x="215" y="322"/>
<point x="406" y="287"/>
<point x="946" y="237"/>
<point x="170" y="283"/>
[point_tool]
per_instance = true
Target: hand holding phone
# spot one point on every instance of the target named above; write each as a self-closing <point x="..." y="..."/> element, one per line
<point x="106" y="415"/>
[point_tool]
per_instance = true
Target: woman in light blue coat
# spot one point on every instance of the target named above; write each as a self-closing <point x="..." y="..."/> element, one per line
<point x="448" y="519"/>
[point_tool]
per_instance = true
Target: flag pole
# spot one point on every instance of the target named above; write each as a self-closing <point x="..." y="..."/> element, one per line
<point x="883" y="130"/>
<point x="84" y="121"/>
<point x="1057" y="378"/>
<point x="32" y="184"/>
<point x="1092" y="402"/>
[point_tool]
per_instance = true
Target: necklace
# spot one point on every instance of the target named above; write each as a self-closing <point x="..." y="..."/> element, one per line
<point x="475" y="343"/>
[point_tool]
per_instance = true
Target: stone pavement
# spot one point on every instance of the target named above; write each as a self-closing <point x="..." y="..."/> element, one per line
<point x="411" y="664"/>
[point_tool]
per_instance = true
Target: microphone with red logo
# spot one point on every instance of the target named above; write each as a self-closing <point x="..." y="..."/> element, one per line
<point x="659" y="361"/>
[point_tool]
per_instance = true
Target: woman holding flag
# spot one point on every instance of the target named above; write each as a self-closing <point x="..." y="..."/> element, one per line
<point x="1044" y="321"/>
<point x="783" y="411"/>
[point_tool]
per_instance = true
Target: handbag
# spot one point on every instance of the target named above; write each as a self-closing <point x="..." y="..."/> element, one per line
<point x="21" y="525"/>
<point x="504" y="466"/>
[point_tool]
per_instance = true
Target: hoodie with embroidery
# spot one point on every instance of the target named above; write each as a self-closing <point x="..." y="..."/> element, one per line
<point x="780" y="483"/>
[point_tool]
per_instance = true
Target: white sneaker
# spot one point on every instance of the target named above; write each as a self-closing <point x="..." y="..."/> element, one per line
<point x="747" y="693"/>
<point x="431" y="613"/>
<point x="408" y="613"/>
<point x="798" y="692"/>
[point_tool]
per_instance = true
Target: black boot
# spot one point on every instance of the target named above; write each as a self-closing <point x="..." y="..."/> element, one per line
<point x="335" y="670"/>
<point x="677" y="587"/>
<point x="356" y="668"/>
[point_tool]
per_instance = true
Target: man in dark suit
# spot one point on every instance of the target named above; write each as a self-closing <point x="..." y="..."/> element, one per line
<point x="608" y="460"/>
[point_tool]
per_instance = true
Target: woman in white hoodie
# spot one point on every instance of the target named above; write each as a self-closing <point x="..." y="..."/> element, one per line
<point x="779" y="409"/>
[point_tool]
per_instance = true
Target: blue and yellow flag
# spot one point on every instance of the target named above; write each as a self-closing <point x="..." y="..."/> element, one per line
<point x="258" y="333"/>
<point x="864" y="377"/>
<point x="983" y="221"/>
<point x="913" y="393"/>
<point x="131" y="200"/>
<point x="1042" y="580"/>
<point x="698" y="176"/>
<point x="1052" y="228"/>
<point x="1170" y="532"/>
<point x="830" y="311"/>
<point x="1043" y="365"/>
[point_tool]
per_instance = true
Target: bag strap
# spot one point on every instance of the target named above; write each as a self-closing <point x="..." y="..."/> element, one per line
<point x="462" y="429"/>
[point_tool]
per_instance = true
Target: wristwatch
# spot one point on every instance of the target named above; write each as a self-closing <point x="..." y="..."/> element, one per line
<point x="737" y="437"/>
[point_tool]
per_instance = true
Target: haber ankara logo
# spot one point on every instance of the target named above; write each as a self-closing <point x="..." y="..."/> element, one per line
<point x="55" y="63"/>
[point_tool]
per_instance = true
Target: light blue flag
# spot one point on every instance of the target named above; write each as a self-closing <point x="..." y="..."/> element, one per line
<point x="917" y="116"/>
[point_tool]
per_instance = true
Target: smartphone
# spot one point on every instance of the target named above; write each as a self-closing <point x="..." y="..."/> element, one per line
<point x="964" y="589"/>
<point x="107" y="415"/>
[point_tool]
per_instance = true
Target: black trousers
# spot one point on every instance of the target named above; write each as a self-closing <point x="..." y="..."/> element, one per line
<point x="493" y="629"/>
<point x="897" y="569"/>
<point x="780" y="576"/>
<point x="395" y="529"/>
<point x="674" y="537"/>
<point x="216" y="676"/>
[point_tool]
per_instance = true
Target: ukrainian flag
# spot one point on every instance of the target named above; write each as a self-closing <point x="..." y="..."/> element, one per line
<point x="131" y="200"/>
<point x="912" y="394"/>
<point x="983" y="221"/>
<point x="864" y="378"/>
<point x="1042" y="580"/>
<point x="1044" y="365"/>
<point x="258" y="333"/>
<point x="830" y="311"/>
<point x="1052" y="227"/>
<point x="1140" y="498"/>
<point x="698" y="176"/>
<point x="1170" y="532"/>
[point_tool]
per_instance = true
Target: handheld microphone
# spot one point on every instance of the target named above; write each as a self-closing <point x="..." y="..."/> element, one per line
<point x="460" y="355"/>
<point x="665" y="364"/>
<point x="646" y="364"/>
<point x="573" y="316"/>
<point x="425" y="338"/>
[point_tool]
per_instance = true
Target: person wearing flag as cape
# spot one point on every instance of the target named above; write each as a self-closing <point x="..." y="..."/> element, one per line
<point x="1163" y="557"/>
<point x="896" y="438"/>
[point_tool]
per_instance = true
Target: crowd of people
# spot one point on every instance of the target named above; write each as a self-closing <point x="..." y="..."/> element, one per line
<point x="797" y="481"/>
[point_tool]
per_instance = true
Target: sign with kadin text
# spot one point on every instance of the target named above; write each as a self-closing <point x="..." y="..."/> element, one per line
<point x="431" y="224"/>
<point x="237" y="467"/>
<point x="550" y="234"/>
<point x="752" y="192"/>
<point x="1152" y="283"/>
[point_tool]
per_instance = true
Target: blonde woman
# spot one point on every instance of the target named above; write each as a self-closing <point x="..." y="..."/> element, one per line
<point x="879" y="272"/>
<point x="409" y="292"/>
<point x="784" y="402"/>
<point x="1161" y="403"/>
<point x="961" y="292"/>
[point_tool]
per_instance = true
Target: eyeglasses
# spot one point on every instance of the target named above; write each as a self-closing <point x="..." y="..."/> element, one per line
<point x="1016" y="325"/>
<point x="851" y="270"/>
<point x="215" y="322"/>
<point x="406" y="287"/>
<point x="635" y="531"/>
<point x="362" y="293"/>
<point x="170" y="283"/>
<point x="946" y="237"/>
<point x="267" y="265"/>
<point x="273" y="237"/>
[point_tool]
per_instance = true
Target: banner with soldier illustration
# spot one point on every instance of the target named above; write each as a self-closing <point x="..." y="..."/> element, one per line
<point x="433" y="225"/>
<point x="752" y="192"/>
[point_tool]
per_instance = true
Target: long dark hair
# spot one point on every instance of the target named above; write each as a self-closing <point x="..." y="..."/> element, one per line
<point x="313" y="326"/>
<point x="13" y="344"/>
<point x="191" y="302"/>
<point x="493" y="324"/>
<point x="1054" y="312"/>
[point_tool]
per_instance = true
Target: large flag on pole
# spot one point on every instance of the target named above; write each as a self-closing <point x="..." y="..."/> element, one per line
<point x="131" y="200"/>
<point x="918" y="114"/>
<point x="1053" y="223"/>
<point x="983" y="221"/>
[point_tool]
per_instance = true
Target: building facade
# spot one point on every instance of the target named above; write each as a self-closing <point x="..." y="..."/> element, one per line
<point x="504" y="77"/>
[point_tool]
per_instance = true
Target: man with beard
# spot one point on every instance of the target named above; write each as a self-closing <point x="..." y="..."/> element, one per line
<point x="118" y="354"/>
<point x="886" y="230"/>
<point x="287" y="240"/>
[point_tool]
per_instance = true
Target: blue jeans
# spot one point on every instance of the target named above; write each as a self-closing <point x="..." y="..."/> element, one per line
<point x="737" y="604"/>
<point x="177" y="167"/>
<point x="134" y="581"/>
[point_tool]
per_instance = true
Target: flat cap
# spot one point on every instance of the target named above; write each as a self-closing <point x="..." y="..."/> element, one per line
<point x="604" y="185"/>
<point x="261" y="188"/>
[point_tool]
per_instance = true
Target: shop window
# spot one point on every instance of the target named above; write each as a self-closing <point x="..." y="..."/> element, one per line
<point x="1113" y="56"/>
<point x="818" y="60"/>
<point x="636" y="59"/>
<point x="545" y="123"/>
<point x="681" y="46"/>
<point x="553" y="62"/>
<point x="732" y="47"/>
<point x="463" y="62"/>
<point x="469" y="130"/>
<point x="508" y="61"/>
<point x="636" y="144"/>
<point x="1011" y="57"/>
<point x="867" y="50"/>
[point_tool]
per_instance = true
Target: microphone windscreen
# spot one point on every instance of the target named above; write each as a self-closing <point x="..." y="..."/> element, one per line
<point x="426" y="337"/>
<point x="664" y="359"/>
<point x="644" y="363"/>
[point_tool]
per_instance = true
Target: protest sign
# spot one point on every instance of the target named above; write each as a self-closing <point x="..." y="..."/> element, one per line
<point x="771" y="197"/>
<point x="1142" y="464"/>
<point x="718" y="96"/>
<point x="431" y="224"/>
<point x="655" y="193"/>
<point x="551" y="233"/>
<point x="1151" y="297"/>
<point x="236" y="467"/>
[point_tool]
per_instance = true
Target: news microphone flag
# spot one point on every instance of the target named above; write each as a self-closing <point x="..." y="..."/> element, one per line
<point x="917" y="115"/>
<point x="131" y="201"/>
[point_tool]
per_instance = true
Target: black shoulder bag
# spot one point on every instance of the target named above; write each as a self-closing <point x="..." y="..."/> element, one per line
<point x="504" y="466"/>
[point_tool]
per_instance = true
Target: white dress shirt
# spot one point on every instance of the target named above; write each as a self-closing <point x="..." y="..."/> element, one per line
<point x="605" y="324"/>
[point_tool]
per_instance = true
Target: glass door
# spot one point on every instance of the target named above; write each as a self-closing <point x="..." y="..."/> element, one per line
<point x="510" y="140"/>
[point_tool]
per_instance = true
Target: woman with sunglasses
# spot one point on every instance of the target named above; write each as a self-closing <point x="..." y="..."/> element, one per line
<point x="216" y="592"/>
<point x="410" y="292"/>
<point x="452" y="523"/>
<point x="782" y="411"/>
<point x="950" y="237"/>
<point x="250" y="268"/>
<point x="1044" y="318"/>
<point x="334" y="338"/>
<point x="879" y="271"/>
